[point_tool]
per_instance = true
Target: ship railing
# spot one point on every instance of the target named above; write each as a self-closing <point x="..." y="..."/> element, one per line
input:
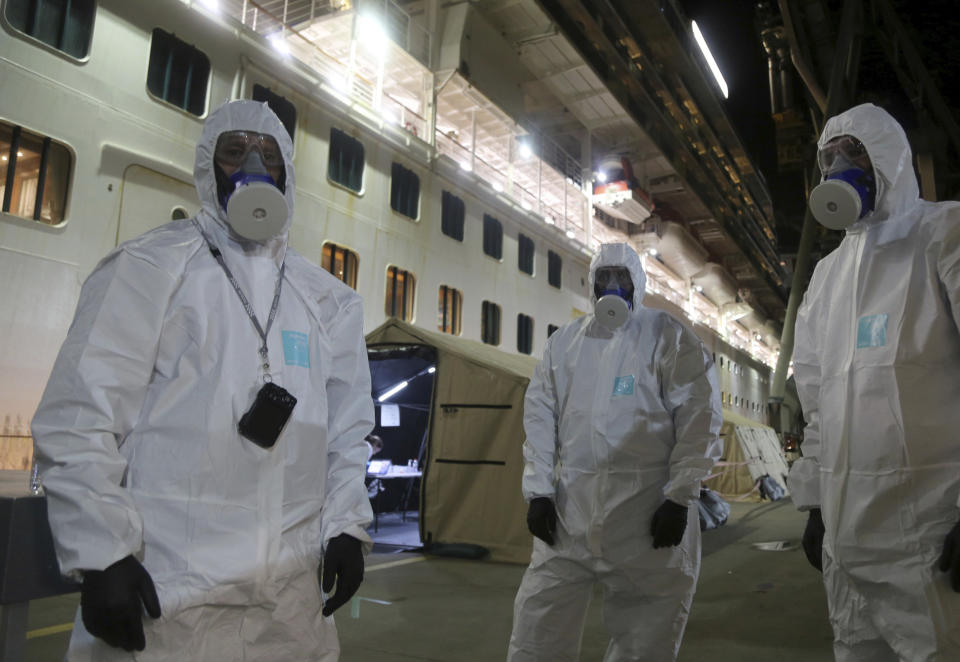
<point x="281" y="19"/>
<point x="565" y="210"/>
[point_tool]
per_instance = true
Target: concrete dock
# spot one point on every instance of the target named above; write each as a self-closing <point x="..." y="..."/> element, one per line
<point x="751" y="604"/>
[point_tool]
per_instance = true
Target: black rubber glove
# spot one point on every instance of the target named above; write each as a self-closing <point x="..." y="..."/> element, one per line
<point x="110" y="603"/>
<point x="542" y="519"/>
<point x="950" y="557"/>
<point x="343" y="563"/>
<point x="813" y="539"/>
<point x="668" y="524"/>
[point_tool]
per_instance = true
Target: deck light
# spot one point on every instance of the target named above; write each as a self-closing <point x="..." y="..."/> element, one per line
<point x="702" y="43"/>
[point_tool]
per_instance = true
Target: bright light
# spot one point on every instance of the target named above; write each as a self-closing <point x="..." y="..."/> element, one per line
<point x="339" y="83"/>
<point x="570" y="234"/>
<point x="525" y="151"/>
<point x="371" y="34"/>
<point x="19" y="153"/>
<point x="549" y="220"/>
<point x="465" y="166"/>
<point x="601" y="176"/>
<point x="393" y="391"/>
<point x="497" y="187"/>
<point x="278" y="42"/>
<point x="709" y="58"/>
<point x="4" y="157"/>
<point x="653" y="252"/>
<point x="213" y="5"/>
<point x="697" y="288"/>
<point x="526" y="205"/>
<point x="431" y="370"/>
<point x="758" y="337"/>
<point x="388" y="116"/>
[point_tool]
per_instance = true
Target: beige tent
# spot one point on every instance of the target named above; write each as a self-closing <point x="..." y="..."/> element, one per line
<point x="473" y="462"/>
<point x="750" y="450"/>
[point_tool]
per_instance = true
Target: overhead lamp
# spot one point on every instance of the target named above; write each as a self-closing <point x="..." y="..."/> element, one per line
<point x="465" y="166"/>
<point x="431" y="370"/>
<point x="497" y="187"/>
<point x="653" y="252"/>
<point x="280" y="44"/>
<point x="601" y="176"/>
<point x="339" y="83"/>
<point x="526" y="205"/>
<point x="708" y="56"/>
<point x="570" y="234"/>
<point x="396" y="388"/>
<point x="371" y="34"/>
<point x="698" y="288"/>
<point x="212" y="5"/>
<point x="525" y="151"/>
<point x="758" y="336"/>
<point x="549" y="220"/>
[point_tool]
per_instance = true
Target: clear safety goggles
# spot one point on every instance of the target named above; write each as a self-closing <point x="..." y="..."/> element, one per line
<point x="842" y="149"/>
<point x="607" y="277"/>
<point x="233" y="147"/>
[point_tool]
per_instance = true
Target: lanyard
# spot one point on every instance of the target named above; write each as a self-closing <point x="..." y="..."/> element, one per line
<point x="246" y="304"/>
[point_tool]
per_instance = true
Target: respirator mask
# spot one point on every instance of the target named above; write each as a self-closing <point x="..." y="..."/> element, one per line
<point x="848" y="191"/>
<point x="613" y="289"/>
<point x="250" y="182"/>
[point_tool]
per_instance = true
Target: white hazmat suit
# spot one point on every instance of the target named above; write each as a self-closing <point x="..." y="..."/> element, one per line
<point x="137" y="440"/>
<point x="877" y="365"/>
<point x="615" y="422"/>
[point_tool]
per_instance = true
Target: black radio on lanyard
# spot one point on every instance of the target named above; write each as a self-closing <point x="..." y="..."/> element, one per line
<point x="271" y="409"/>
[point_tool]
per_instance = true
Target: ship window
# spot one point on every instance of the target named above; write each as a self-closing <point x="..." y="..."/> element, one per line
<point x="285" y="110"/>
<point x="341" y="262"/>
<point x="345" y="166"/>
<point x="551" y="328"/>
<point x="66" y="25"/>
<point x="452" y="213"/>
<point x="492" y="237"/>
<point x="449" y="310"/>
<point x="404" y="191"/>
<point x="525" y="259"/>
<point x="554" y="268"/>
<point x="401" y="285"/>
<point x="490" y="323"/>
<point x="524" y="334"/>
<point x="178" y="73"/>
<point x="34" y="173"/>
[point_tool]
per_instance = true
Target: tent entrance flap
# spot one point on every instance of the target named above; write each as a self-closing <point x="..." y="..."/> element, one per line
<point x="402" y="379"/>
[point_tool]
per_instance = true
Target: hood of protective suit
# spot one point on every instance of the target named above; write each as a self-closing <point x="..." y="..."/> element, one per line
<point x="619" y="255"/>
<point x="241" y="115"/>
<point x="889" y="151"/>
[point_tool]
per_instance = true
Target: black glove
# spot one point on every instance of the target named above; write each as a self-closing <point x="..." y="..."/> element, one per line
<point x="542" y="519"/>
<point x="343" y="562"/>
<point x="950" y="557"/>
<point x="668" y="524"/>
<point x="110" y="603"/>
<point x="813" y="539"/>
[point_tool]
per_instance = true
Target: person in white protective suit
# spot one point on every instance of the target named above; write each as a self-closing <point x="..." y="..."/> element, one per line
<point x="877" y="366"/>
<point x="622" y="417"/>
<point x="201" y="459"/>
